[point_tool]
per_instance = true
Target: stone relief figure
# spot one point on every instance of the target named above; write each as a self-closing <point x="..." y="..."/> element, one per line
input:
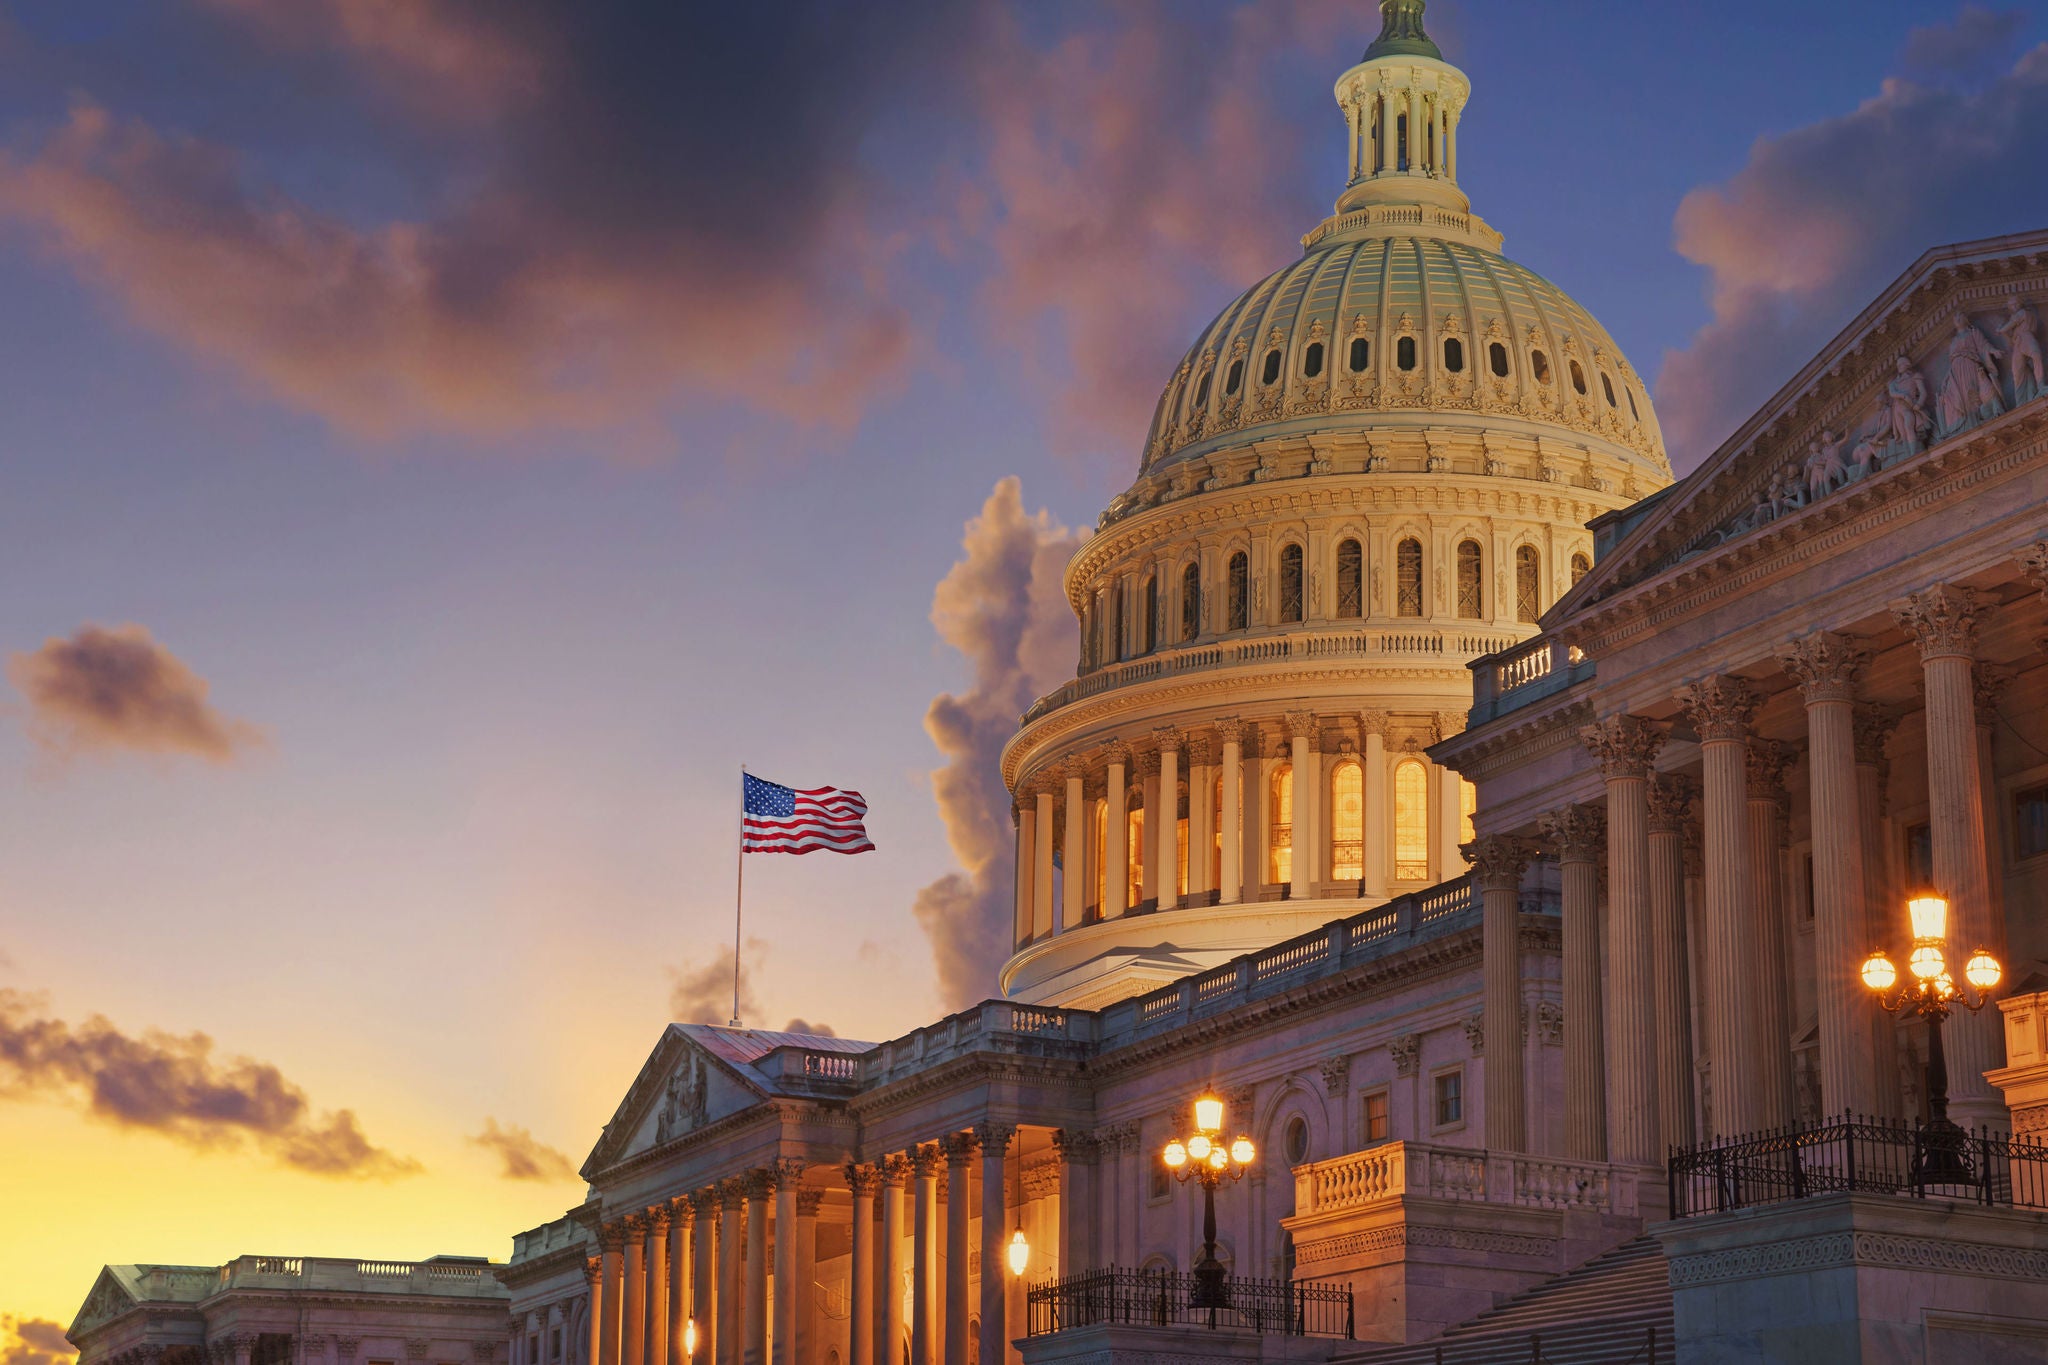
<point x="2022" y="351"/>
<point x="1905" y="411"/>
<point x="1866" y="457"/>
<point x="1825" y="471"/>
<point x="1970" y="393"/>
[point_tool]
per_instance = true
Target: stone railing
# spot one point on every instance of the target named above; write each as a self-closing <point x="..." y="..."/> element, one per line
<point x="991" y="1026"/>
<point x="562" y="1232"/>
<point x="1412" y="642"/>
<point x="460" y="1276"/>
<point x="816" y="1070"/>
<point x="1394" y="1170"/>
<point x="1528" y="672"/>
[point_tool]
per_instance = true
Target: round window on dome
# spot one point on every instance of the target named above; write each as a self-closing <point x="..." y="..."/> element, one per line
<point x="1454" y="355"/>
<point x="1404" y="353"/>
<point x="1236" y="378"/>
<point x="1497" y="357"/>
<point x="1539" y="365"/>
<point x="1312" y="359"/>
<point x="1271" y="370"/>
<point x="1361" y="354"/>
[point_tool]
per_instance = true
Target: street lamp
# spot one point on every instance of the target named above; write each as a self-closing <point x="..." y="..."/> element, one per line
<point x="1203" y="1157"/>
<point x="1930" y="991"/>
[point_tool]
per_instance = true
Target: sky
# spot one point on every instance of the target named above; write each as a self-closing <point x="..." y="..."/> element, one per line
<point x="441" y="443"/>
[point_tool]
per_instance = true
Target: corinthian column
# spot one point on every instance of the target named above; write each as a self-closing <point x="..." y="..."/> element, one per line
<point x="1232" y="734"/>
<point x="613" y="1239"/>
<point x="808" y="1202"/>
<point x="1498" y="861"/>
<point x="705" y="1203"/>
<point x="995" y="1142"/>
<point x="593" y="1275"/>
<point x="1873" y="726"/>
<point x="1577" y="831"/>
<point x="633" y="1321"/>
<point x="924" y="1165"/>
<point x="860" y="1328"/>
<point x="1764" y="774"/>
<point x="655" y="1340"/>
<point x="1720" y="708"/>
<point x="959" y="1149"/>
<point x="1372" y="728"/>
<point x="1116" y="872"/>
<point x="754" y="1332"/>
<point x="1670" y="798"/>
<point x="1024" y="813"/>
<point x="1041" y="864"/>
<point x="789" y="1175"/>
<point x="1201" y="811"/>
<point x="1826" y="666"/>
<point x="682" y="1222"/>
<point x="895" y="1170"/>
<point x="1167" y="837"/>
<point x="732" y="1196"/>
<point x="1301" y="726"/>
<point x="1074" y="851"/>
<point x="1626" y="746"/>
<point x="1943" y="622"/>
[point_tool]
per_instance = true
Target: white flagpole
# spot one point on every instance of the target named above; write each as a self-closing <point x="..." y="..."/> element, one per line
<point x="738" y="885"/>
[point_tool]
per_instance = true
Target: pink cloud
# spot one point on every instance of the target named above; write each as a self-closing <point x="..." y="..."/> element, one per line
<point x="106" y="691"/>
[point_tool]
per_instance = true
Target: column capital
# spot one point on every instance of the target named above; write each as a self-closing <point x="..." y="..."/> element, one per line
<point x="924" y="1159"/>
<point x="861" y="1178"/>
<point x="1825" y="664"/>
<point x="994" y="1137"/>
<point x="758" y="1183"/>
<point x="1373" y="721"/>
<point x="657" y="1220"/>
<point x="1448" y="723"/>
<point x="1073" y="768"/>
<point x="1304" y="725"/>
<point x="1498" y="860"/>
<point x="1118" y="753"/>
<point x="706" y="1201"/>
<point x="1077" y="1145"/>
<point x="1167" y="738"/>
<point x="1200" y="752"/>
<point x="1625" y="745"/>
<point x="2034" y="563"/>
<point x="1942" y="621"/>
<point x="1764" y="763"/>
<point x="682" y="1210"/>
<point x="958" y="1148"/>
<point x="1230" y="730"/>
<point x="612" y="1236"/>
<point x="892" y="1170"/>
<point x="1671" y="796"/>
<point x="1873" y="727"/>
<point x="789" y="1170"/>
<point x="593" y="1270"/>
<point x="807" y="1202"/>
<point x="1719" y="706"/>
<point x="1580" y="832"/>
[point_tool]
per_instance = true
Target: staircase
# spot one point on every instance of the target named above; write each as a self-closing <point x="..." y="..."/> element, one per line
<point x="1599" y="1314"/>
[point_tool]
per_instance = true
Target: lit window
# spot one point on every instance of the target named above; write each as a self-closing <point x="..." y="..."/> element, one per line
<point x="1191" y="602"/>
<point x="1408" y="578"/>
<point x="1581" y="566"/>
<point x="1347" y="823"/>
<point x="1290" y="583"/>
<point x="1240" y="591"/>
<point x="1150" y="625"/>
<point x="1528" y="584"/>
<point x="1361" y="354"/>
<point x="1471" y="588"/>
<point x="1180" y="841"/>
<point x="1411" y="821"/>
<point x="1454" y="355"/>
<point x="1404" y="353"/>
<point x="1377" y="1125"/>
<point x="1578" y="378"/>
<point x="1450" y="1099"/>
<point x="1134" y="854"/>
<point x="1312" y="360"/>
<point x="1468" y="806"/>
<point x="1216" y="838"/>
<point x="1497" y="357"/>
<point x="1271" y="371"/>
<point x="1280" y="866"/>
<point x="1539" y="365"/>
<point x="1101" y="823"/>
<point x="1350" y="578"/>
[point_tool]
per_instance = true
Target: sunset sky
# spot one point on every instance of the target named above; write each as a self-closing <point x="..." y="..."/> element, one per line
<point x="441" y="442"/>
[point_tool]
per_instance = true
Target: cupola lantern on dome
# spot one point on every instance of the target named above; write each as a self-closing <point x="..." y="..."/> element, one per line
<point x="1401" y="32"/>
<point x="1402" y="103"/>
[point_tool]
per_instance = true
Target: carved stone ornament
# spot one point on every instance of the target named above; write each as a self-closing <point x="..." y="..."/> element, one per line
<point x="2034" y="561"/>
<point x="1372" y="722"/>
<point x="1826" y="665"/>
<point x="1336" y="1077"/>
<point x="1077" y="1145"/>
<point x="345" y="1347"/>
<point x="416" y="1348"/>
<point x="1720" y="707"/>
<point x="1942" y="621"/>
<point x="861" y="1178"/>
<point x="1763" y="764"/>
<point x="1475" y="1034"/>
<point x="994" y="1138"/>
<point x="1671" y="797"/>
<point x="1550" y="1023"/>
<point x="959" y="1148"/>
<point x="1498" y="861"/>
<point x="1406" y="1051"/>
<point x="809" y="1201"/>
<point x="1873" y="728"/>
<point x="924" y="1160"/>
<point x="1304" y="725"/>
<point x="483" y="1352"/>
<point x="1230" y="730"/>
<point x="1625" y="745"/>
<point x="1580" y="832"/>
<point x="893" y="1169"/>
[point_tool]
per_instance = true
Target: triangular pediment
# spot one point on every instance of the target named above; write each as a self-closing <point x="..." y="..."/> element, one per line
<point x="1895" y="388"/>
<point x="682" y="1087"/>
<point x="109" y="1299"/>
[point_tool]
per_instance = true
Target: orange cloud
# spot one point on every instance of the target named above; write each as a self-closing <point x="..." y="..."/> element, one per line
<point x="119" y="690"/>
<point x="173" y="1085"/>
<point x="33" y="1341"/>
<point x="525" y="1157"/>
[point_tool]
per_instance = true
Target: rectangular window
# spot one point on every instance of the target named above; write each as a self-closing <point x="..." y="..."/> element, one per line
<point x="1450" y="1099"/>
<point x="1919" y="857"/>
<point x="533" y="1348"/>
<point x="554" y="1343"/>
<point x="1162" y="1180"/>
<point x="1378" y="1123"/>
<point x="2030" y="822"/>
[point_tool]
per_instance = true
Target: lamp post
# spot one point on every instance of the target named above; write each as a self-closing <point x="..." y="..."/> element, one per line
<point x="1931" y="992"/>
<point x="1203" y="1157"/>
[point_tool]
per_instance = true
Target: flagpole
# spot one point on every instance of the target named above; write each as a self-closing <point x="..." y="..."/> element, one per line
<point x="739" y="882"/>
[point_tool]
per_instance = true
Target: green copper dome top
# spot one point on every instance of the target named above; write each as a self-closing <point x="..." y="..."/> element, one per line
<point x="1401" y="32"/>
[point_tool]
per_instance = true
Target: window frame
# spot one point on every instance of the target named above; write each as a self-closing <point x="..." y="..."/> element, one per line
<point x="1191" y="601"/>
<point x="1497" y="359"/>
<point x="1421" y="585"/>
<point x="1351" y="594"/>
<point x="1238" y="609"/>
<point x="1455" y="1073"/>
<point x="1385" y="1095"/>
<point x="1476" y="583"/>
<point x="1292" y="558"/>
<point x="1528" y="584"/>
<point x="1454" y="355"/>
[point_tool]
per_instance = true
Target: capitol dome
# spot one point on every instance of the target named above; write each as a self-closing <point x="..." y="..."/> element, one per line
<point x="1374" y="469"/>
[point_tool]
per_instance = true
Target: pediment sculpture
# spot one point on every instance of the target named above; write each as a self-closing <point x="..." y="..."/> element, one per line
<point x="684" y="1102"/>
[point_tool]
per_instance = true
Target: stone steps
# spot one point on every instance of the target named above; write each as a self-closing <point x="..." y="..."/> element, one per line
<point x="1601" y="1313"/>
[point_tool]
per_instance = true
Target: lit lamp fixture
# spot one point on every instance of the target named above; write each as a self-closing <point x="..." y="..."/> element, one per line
<point x="1018" y="1253"/>
<point x="1203" y="1157"/>
<point x="689" y="1336"/>
<point x="1930" y="991"/>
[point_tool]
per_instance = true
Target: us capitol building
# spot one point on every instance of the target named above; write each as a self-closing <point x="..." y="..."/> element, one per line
<point x="1496" y="828"/>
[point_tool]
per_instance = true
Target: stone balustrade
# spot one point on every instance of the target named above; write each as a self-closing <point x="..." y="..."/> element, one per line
<point x="1396" y="1170"/>
<point x="462" y="1276"/>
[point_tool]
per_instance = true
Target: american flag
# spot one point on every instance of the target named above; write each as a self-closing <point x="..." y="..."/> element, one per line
<point x="779" y="819"/>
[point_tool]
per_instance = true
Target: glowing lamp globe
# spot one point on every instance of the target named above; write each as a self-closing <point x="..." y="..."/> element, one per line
<point x="1982" y="970"/>
<point x="1930" y="917"/>
<point x="1199" y="1145"/>
<point x="689" y="1336"/>
<point x="1175" y="1156"/>
<point x="1878" y="972"/>
<point x="1019" y="1252"/>
<point x="1218" y="1159"/>
<point x="1927" y="962"/>
<point x="1945" y="986"/>
<point x="1209" y="1114"/>
<point x="1241" y="1151"/>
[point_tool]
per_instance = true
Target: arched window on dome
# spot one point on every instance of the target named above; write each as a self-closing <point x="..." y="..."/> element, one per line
<point x="1191" y="602"/>
<point x="1236" y="378"/>
<point x="1581" y="566"/>
<point x="1280" y="827"/>
<point x="1347" y="822"/>
<point x="1202" y="390"/>
<point x="1471" y="581"/>
<point x="1578" y="378"/>
<point x="1361" y="354"/>
<point x="1528" y="584"/>
<point x="1539" y="365"/>
<point x="1134" y="850"/>
<point x="1312" y="360"/>
<point x="1290" y="583"/>
<point x="1408" y="578"/>
<point x="1630" y="394"/>
<point x="1607" y="386"/>
<point x="1149" y="627"/>
<point x="1350" y="578"/>
<point x="1454" y="355"/>
<point x="1411" y="821"/>
<point x="1497" y="357"/>
<point x="1404" y="353"/>
<point x="1240" y="591"/>
<point x="1468" y="806"/>
<point x="1271" y="370"/>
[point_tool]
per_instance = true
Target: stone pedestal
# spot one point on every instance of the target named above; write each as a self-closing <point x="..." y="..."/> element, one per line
<point x="2024" y="1077"/>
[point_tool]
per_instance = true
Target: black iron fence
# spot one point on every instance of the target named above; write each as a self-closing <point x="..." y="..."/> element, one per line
<point x="1878" y="1156"/>
<point x="1161" y="1298"/>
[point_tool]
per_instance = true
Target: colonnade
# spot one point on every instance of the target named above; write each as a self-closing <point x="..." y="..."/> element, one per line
<point x="1222" y="850"/>
<point x="1403" y="130"/>
<point x="1629" y="1073"/>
